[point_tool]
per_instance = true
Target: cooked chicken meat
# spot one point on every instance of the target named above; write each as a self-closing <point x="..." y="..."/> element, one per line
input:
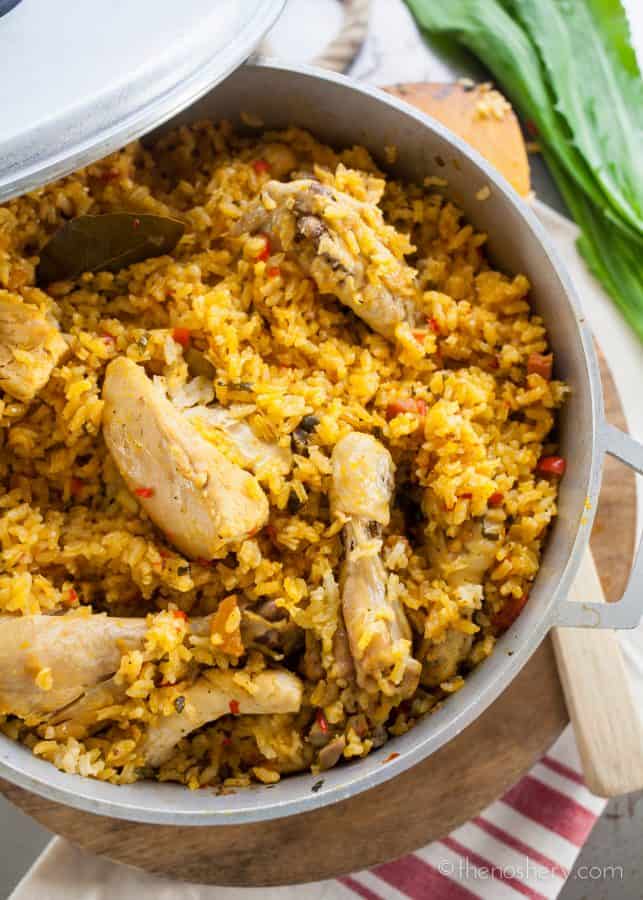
<point x="187" y="487"/>
<point x="30" y="347"/>
<point x="362" y="479"/>
<point x="331" y="754"/>
<point x="78" y="651"/>
<point x="280" y="158"/>
<point x="377" y="627"/>
<point x="441" y="661"/>
<point x="469" y="566"/>
<point x="341" y="242"/>
<point x="464" y="572"/>
<point x="217" y="694"/>
<point x="82" y="653"/>
<point x="260" y="456"/>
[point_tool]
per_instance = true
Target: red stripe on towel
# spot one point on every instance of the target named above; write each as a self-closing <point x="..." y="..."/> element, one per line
<point x="498" y="872"/>
<point x="354" y="885"/>
<point x="562" y="769"/>
<point x="419" y="880"/>
<point x="520" y="847"/>
<point x="551" y="808"/>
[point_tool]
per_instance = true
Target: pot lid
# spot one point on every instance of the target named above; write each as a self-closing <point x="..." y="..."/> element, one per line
<point x="83" y="78"/>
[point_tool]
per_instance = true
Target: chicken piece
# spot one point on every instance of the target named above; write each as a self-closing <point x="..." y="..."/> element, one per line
<point x="464" y="568"/>
<point x="217" y="694"/>
<point x="260" y="456"/>
<point x="441" y="660"/>
<point x="362" y="478"/>
<point x="474" y="560"/>
<point x="187" y="487"/>
<point x="343" y="244"/>
<point x="79" y="651"/>
<point x="83" y="653"/>
<point x="464" y="573"/>
<point x="30" y="347"/>
<point x="377" y="627"/>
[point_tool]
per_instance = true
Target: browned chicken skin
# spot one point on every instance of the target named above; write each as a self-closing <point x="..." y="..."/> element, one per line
<point x="373" y="282"/>
<point x="186" y="486"/>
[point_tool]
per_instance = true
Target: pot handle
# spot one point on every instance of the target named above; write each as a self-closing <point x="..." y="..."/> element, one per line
<point x="626" y="612"/>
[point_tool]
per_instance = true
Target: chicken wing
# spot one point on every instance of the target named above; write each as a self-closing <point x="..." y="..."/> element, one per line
<point x="30" y="347"/>
<point x="217" y="694"/>
<point x="187" y="487"/>
<point x="378" y="630"/>
<point x="343" y="244"/>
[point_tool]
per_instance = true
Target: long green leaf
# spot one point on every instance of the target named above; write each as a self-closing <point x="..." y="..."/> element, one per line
<point x="601" y="100"/>
<point x="487" y="29"/>
<point x="612" y="20"/>
<point x="597" y="197"/>
<point x="613" y="258"/>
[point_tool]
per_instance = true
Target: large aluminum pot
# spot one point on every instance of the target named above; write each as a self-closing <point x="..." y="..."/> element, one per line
<point x="344" y="113"/>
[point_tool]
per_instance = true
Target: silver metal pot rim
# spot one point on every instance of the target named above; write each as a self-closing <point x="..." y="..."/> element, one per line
<point x="142" y="802"/>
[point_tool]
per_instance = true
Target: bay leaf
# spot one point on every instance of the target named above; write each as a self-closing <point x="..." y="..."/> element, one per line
<point x="108" y="242"/>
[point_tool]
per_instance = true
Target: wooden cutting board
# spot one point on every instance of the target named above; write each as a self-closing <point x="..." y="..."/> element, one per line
<point x="482" y="117"/>
<point x="454" y="784"/>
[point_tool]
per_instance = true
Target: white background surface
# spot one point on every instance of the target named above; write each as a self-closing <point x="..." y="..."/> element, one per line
<point x="395" y="52"/>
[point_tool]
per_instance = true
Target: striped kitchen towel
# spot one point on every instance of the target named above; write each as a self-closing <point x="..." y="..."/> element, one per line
<point x="523" y="844"/>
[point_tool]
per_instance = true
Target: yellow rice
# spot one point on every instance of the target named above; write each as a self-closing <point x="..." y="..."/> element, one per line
<point x="72" y="536"/>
